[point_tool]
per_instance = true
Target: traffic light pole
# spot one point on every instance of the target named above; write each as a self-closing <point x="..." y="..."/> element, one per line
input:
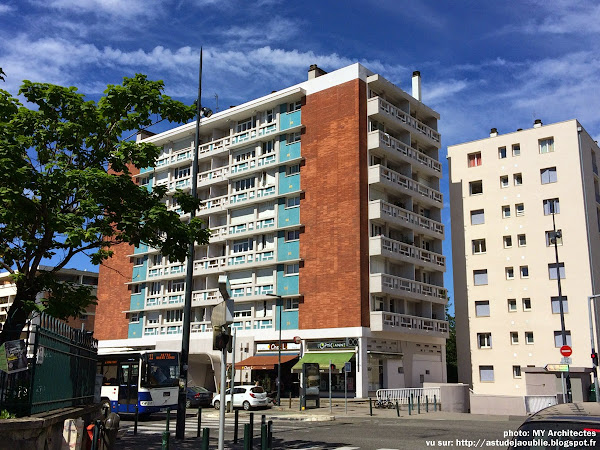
<point x="223" y="401"/>
<point x="591" y="299"/>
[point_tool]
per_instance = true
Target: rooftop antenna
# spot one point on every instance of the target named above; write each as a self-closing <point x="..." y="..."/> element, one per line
<point x="217" y="100"/>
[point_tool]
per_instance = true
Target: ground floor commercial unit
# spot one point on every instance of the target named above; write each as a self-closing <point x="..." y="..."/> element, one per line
<point x="375" y="362"/>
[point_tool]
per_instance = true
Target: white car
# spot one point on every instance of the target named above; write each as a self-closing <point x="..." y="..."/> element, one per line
<point x="246" y="397"/>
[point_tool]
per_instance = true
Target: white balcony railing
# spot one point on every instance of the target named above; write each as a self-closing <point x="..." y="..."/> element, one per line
<point x="394" y="144"/>
<point x="408" y="183"/>
<point x="392" y="284"/>
<point x="387" y="209"/>
<point x="215" y="263"/>
<point x="213" y="175"/>
<point x="419" y="324"/>
<point x="406" y="118"/>
<point x="409" y="251"/>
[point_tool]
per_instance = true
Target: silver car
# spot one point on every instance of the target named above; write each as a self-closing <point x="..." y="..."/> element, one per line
<point x="247" y="397"/>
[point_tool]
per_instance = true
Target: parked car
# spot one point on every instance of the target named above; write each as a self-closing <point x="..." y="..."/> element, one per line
<point x="568" y="425"/>
<point x="247" y="397"/>
<point x="197" y="396"/>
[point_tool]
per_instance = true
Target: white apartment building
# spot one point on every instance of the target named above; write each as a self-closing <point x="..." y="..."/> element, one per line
<point x="503" y="190"/>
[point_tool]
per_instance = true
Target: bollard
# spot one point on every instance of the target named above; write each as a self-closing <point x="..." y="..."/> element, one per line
<point x="426" y="403"/>
<point x="199" y="421"/>
<point x="165" y="440"/>
<point x="410" y="405"/>
<point x="370" y="406"/>
<point x="397" y="409"/>
<point x="251" y="430"/>
<point x="235" y="426"/>
<point x="135" y="423"/>
<point x="168" y="418"/>
<point x="247" y="445"/>
<point x="435" y="402"/>
<point x="419" y="404"/>
<point x="290" y="399"/>
<point x="263" y="419"/>
<point x="205" y="438"/>
<point x="263" y="437"/>
<point x="270" y="434"/>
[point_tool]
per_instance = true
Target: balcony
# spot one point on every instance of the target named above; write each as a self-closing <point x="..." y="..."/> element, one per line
<point x="177" y="269"/>
<point x="387" y="321"/>
<point x="210" y="265"/>
<point x="399" y="150"/>
<point x="212" y="176"/>
<point x="400" y="251"/>
<point x="206" y="297"/>
<point x="212" y="205"/>
<point x="379" y="209"/>
<point x="382" y="110"/>
<point x="381" y="283"/>
<point x="390" y="179"/>
<point x="252" y="194"/>
<point x="264" y="257"/>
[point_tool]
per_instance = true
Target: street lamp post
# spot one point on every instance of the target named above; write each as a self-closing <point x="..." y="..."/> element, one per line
<point x="592" y="298"/>
<point x="556" y="236"/>
<point x="279" y="304"/>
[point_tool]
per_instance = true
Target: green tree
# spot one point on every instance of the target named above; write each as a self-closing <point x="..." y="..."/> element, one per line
<point x="67" y="188"/>
<point x="451" y="358"/>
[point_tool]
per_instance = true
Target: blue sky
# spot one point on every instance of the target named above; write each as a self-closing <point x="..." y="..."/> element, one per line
<point x="484" y="64"/>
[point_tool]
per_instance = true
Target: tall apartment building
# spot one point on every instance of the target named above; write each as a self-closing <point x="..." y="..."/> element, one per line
<point x="326" y="193"/>
<point x="503" y="191"/>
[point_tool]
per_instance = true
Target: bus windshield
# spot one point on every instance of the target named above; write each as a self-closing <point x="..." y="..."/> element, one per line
<point x="161" y="370"/>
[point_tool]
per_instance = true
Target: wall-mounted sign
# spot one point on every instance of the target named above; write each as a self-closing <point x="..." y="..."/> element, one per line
<point x="332" y="344"/>
<point x="274" y="346"/>
<point x="13" y="356"/>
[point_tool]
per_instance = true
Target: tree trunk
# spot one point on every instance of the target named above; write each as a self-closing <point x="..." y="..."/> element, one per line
<point x="17" y="315"/>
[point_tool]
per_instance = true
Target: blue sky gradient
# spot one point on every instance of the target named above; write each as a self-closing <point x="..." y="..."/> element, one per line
<point x="483" y="64"/>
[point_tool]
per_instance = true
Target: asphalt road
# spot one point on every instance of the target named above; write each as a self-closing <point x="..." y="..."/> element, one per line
<point x="364" y="433"/>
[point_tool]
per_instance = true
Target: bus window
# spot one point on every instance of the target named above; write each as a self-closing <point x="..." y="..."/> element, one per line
<point x="109" y="374"/>
<point x="161" y="372"/>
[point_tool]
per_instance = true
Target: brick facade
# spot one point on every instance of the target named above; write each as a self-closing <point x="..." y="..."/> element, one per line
<point x="334" y="246"/>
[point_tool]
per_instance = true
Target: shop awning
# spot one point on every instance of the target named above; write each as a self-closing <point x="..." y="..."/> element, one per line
<point x="323" y="358"/>
<point x="263" y="362"/>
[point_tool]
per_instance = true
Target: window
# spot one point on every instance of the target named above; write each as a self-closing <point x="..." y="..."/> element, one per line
<point x="552" y="272"/>
<point x="293" y="137"/>
<point x="244" y="156"/>
<point x="524" y="271"/>
<point x="516" y="149"/>
<point x="173" y="315"/>
<point x="551" y="205"/>
<point x="292" y="202"/>
<point x="512" y="304"/>
<point x="154" y="288"/>
<point x="484" y="340"/>
<point x="507" y="240"/>
<point x="477" y="217"/>
<point x="474" y="159"/>
<point x="526" y="304"/>
<point x="556" y="305"/>
<point x="546" y="145"/>
<point x="482" y="308"/>
<point x="157" y="260"/>
<point x="529" y="337"/>
<point x="136" y="289"/>
<point x="516" y="371"/>
<point x="269" y="115"/>
<point x="501" y="152"/>
<point x="182" y="172"/>
<point x="510" y="273"/>
<point x="519" y="209"/>
<point x="138" y="260"/>
<point x="176" y="286"/>
<point x="134" y="318"/>
<point x="242" y="185"/>
<point x="522" y="240"/>
<point x="246" y="124"/>
<point x="558" y="339"/>
<point x="486" y="374"/>
<point x="292" y="269"/>
<point x="518" y="179"/>
<point x="480" y="277"/>
<point x="268" y="147"/>
<point x="292" y="170"/>
<point x="475" y="187"/>
<point x="243" y="245"/>
<point x="292" y="235"/>
<point x="504" y="181"/>
<point x="478" y="246"/>
<point x="506" y="211"/>
<point x="514" y="337"/>
<point x="291" y="303"/>
<point x="548" y="175"/>
<point x="294" y="106"/>
<point x="144" y="181"/>
<point x="550" y="237"/>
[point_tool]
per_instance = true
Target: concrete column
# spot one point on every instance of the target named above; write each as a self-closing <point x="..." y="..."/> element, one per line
<point x="362" y="373"/>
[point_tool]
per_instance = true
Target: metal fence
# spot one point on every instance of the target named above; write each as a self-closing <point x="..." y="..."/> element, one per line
<point x="402" y="395"/>
<point x="61" y="370"/>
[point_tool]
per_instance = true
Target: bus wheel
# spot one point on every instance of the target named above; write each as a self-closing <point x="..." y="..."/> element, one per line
<point x="217" y="404"/>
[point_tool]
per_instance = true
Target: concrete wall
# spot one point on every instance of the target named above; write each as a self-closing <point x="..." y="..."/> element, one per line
<point x="497" y="405"/>
<point x="455" y="398"/>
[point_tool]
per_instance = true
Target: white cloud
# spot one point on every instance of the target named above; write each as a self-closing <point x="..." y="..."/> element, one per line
<point x="443" y="90"/>
<point x="4" y="9"/>
<point x="117" y="8"/>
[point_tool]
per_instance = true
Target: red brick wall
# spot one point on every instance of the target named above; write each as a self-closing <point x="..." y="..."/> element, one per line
<point x="334" y="277"/>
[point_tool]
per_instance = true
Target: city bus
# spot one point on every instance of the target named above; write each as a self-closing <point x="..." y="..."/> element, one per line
<point x="148" y="379"/>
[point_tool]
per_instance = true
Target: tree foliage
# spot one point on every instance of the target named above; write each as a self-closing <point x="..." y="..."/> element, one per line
<point x="59" y="199"/>
<point x="451" y="357"/>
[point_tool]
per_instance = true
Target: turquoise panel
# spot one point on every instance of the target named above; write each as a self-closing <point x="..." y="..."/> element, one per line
<point x="287" y="216"/>
<point x="288" y="183"/>
<point x="136" y="329"/>
<point x="146" y="169"/>
<point x="289" y="320"/>
<point x="289" y="120"/>
<point x="150" y="183"/>
<point x="287" y="250"/>
<point x="288" y="152"/>
<point x="142" y="248"/>
<point x="137" y="300"/>
<point x="286" y="285"/>
<point x="139" y="272"/>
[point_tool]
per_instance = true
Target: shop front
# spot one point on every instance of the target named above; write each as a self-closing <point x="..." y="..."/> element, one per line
<point x="337" y="354"/>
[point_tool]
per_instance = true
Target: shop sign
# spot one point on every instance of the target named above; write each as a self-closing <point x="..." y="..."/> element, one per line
<point x="332" y="344"/>
<point x="274" y="346"/>
<point x="13" y="356"/>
